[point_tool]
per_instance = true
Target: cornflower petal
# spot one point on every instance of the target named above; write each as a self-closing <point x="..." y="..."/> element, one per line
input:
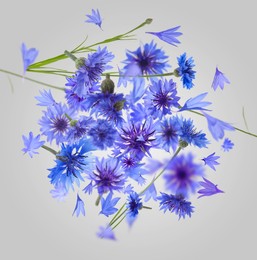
<point x="31" y="144"/>
<point x="79" y="208"/>
<point x="209" y="188"/>
<point x="210" y="160"/>
<point x="94" y="18"/>
<point x="227" y="145"/>
<point x="28" y="56"/>
<point x="219" y="80"/>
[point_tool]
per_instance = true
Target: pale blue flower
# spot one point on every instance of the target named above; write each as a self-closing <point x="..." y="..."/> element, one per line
<point x="94" y="18"/>
<point x="219" y="80"/>
<point x="28" y="56"/>
<point x="31" y="144"/>
<point x="208" y="188"/>
<point x="80" y="207"/>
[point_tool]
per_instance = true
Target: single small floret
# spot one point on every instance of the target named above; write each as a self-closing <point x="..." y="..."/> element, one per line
<point x="31" y="144"/>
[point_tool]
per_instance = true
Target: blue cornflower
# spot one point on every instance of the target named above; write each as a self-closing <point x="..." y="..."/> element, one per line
<point x="90" y="71"/>
<point x="196" y="103"/>
<point x="176" y="204"/>
<point x="210" y="160"/>
<point x="106" y="232"/>
<point x="108" y="205"/>
<point x="185" y="70"/>
<point x="149" y="59"/>
<point x="79" y="128"/>
<point x="59" y="192"/>
<point x="181" y="175"/>
<point x="161" y="97"/>
<point x="31" y="144"/>
<point x="133" y="205"/>
<point x="208" y="188"/>
<point x="71" y="163"/>
<point x="46" y="99"/>
<point x="227" y="145"/>
<point x="28" y="56"/>
<point x="55" y="123"/>
<point x="188" y="133"/>
<point x="80" y="207"/>
<point x="108" y="175"/>
<point x="167" y="134"/>
<point x="219" y="80"/>
<point x="217" y="127"/>
<point x="137" y="138"/>
<point x="169" y="36"/>
<point x="94" y="18"/>
<point x="103" y="134"/>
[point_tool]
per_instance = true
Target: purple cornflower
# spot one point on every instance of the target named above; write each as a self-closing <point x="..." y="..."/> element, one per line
<point x="108" y="176"/>
<point x="106" y="232"/>
<point x="217" y="127"/>
<point x="167" y="134"/>
<point x="211" y="161"/>
<point x="176" y="204"/>
<point x="137" y="138"/>
<point x="71" y="163"/>
<point x="28" y="56"/>
<point x="108" y="205"/>
<point x="219" y="80"/>
<point x="208" y="188"/>
<point x="149" y="59"/>
<point x="94" y="18"/>
<point x="196" y="103"/>
<point x="80" y="207"/>
<point x="188" y="133"/>
<point x="185" y="70"/>
<point x="103" y="134"/>
<point x="161" y="97"/>
<point x="169" y="36"/>
<point x="31" y="144"/>
<point x="55" y="123"/>
<point x="181" y="175"/>
<point x="227" y="145"/>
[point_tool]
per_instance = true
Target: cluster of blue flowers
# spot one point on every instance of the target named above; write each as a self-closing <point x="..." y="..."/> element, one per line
<point x="105" y="138"/>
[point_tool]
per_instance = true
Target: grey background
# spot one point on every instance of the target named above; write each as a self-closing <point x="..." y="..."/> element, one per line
<point x="35" y="226"/>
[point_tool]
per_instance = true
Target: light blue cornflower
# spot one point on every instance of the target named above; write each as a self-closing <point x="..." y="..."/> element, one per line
<point x="185" y="71"/>
<point x="227" y="145"/>
<point x="211" y="161"/>
<point x="169" y="36"/>
<point x="80" y="207"/>
<point x="31" y="144"/>
<point x="181" y="175"/>
<point x="209" y="188"/>
<point x="219" y="80"/>
<point x="28" y="56"/>
<point x="176" y="204"/>
<point x="217" y="127"/>
<point x="94" y="18"/>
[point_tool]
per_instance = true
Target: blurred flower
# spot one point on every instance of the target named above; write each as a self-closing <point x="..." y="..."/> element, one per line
<point x="31" y="144"/>
<point x="28" y="56"/>
<point x="219" y="80"/>
<point x="134" y="204"/>
<point x="227" y="145"/>
<point x="176" y="204"/>
<point x="211" y="160"/>
<point x="208" y="188"/>
<point x="94" y="18"/>
<point x="80" y="207"/>
<point x="169" y="36"/>
<point x="106" y="232"/>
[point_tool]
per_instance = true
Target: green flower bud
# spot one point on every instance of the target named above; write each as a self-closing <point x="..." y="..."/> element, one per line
<point x="107" y="85"/>
<point x="119" y="105"/>
<point x="182" y="143"/>
<point x="80" y="62"/>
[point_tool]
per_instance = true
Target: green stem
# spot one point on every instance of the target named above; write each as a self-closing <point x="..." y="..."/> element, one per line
<point x="32" y="80"/>
<point x="49" y="149"/>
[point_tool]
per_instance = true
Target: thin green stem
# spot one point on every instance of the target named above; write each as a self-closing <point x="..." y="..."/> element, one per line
<point x="116" y="215"/>
<point x="32" y="80"/>
<point x="49" y="149"/>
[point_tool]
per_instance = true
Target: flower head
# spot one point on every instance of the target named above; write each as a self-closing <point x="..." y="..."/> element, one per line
<point x="181" y="175"/>
<point x="71" y="163"/>
<point x="28" y="56"/>
<point x="80" y="207"/>
<point x="227" y="145"/>
<point x="210" y="160"/>
<point x="169" y="36"/>
<point x="185" y="70"/>
<point x="108" y="175"/>
<point x="208" y="188"/>
<point x="149" y="59"/>
<point x="94" y="18"/>
<point x="31" y="144"/>
<point x="219" y="80"/>
<point x="176" y="204"/>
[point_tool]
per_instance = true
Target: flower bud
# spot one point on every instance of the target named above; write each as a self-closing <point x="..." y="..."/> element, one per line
<point x="107" y="85"/>
<point x="119" y="105"/>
